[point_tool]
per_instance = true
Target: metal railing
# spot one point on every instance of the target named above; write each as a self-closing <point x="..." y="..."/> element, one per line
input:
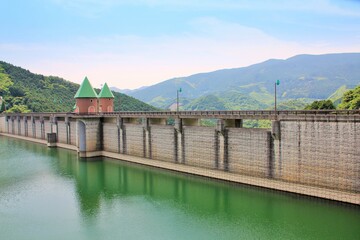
<point x="200" y="114"/>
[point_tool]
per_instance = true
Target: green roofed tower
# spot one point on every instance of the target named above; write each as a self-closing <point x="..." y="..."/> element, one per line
<point x="85" y="90"/>
<point x="88" y="102"/>
<point x="106" y="99"/>
<point x="105" y="92"/>
<point x="86" y="99"/>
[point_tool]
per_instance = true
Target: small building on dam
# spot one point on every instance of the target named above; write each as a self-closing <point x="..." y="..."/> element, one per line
<point x="88" y="102"/>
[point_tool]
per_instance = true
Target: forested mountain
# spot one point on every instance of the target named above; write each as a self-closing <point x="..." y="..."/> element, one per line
<point x="26" y="91"/>
<point x="305" y="77"/>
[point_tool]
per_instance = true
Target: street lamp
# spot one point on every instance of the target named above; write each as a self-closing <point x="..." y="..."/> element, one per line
<point x="276" y="84"/>
<point x="177" y="98"/>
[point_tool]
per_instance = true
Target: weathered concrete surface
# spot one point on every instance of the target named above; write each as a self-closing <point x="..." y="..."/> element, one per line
<point x="39" y="133"/>
<point x="162" y="142"/>
<point x="110" y="137"/>
<point x="72" y="132"/>
<point x="134" y="139"/>
<point x="323" y="154"/>
<point x="249" y="151"/>
<point x="200" y="146"/>
<point x="93" y="135"/>
<point x="2" y="124"/>
<point x="62" y="132"/>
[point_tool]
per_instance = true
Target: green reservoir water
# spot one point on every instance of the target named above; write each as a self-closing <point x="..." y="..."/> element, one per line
<point x="50" y="194"/>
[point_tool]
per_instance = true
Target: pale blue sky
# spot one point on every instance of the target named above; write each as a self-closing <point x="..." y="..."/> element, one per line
<point x="132" y="43"/>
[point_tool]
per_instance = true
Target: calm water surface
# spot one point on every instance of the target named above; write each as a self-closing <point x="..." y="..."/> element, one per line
<point x="49" y="194"/>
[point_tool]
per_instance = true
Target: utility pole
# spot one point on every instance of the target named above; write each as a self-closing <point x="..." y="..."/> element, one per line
<point x="177" y="99"/>
<point x="276" y="84"/>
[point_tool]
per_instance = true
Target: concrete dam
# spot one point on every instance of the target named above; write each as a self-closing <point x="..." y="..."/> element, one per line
<point x="313" y="153"/>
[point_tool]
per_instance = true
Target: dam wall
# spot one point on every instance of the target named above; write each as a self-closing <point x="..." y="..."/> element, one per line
<point x="313" y="151"/>
<point x="325" y="154"/>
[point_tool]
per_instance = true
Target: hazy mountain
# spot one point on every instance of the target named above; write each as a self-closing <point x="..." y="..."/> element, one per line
<point x="26" y="91"/>
<point x="304" y="76"/>
<point x="126" y="91"/>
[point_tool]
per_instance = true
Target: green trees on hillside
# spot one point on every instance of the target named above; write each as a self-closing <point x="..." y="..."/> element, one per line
<point x="18" y="109"/>
<point x="24" y="91"/>
<point x="322" y="104"/>
<point x="351" y="99"/>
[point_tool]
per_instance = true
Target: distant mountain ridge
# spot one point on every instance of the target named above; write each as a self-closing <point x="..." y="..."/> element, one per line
<point x="307" y="77"/>
<point x="126" y="91"/>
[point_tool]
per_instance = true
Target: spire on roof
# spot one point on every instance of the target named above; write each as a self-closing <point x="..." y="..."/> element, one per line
<point x="105" y="92"/>
<point x="85" y="90"/>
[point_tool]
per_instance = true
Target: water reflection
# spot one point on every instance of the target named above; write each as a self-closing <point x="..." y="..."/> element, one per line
<point x="112" y="180"/>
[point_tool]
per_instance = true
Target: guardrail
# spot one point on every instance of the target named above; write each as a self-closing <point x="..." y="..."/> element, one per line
<point x="241" y="114"/>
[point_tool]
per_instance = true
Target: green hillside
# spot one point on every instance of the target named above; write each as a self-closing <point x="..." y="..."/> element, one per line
<point x="26" y="91"/>
<point x="336" y="97"/>
<point x="308" y="77"/>
<point x="351" y="99"/>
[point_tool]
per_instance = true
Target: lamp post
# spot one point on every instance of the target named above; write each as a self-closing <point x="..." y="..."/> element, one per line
<point x="276" y="84"/>
<point x="177" y="99"/>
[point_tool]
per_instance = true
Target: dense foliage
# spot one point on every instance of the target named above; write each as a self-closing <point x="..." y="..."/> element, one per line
<point x="24" y="91"/>
<point x="322" y="104"/>
<point x="351" y="99"/>
<point x="209" y="102"/>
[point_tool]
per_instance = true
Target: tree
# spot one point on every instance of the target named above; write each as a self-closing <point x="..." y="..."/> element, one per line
<point x="351" y="99"/>
<point x="322" y="104"/>
<point x="18" y="109"/>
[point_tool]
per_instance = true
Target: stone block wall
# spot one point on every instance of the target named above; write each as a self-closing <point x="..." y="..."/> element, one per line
<point x="16" y="127"/>
<point x="38" y="129"/>
<point x="32" y="128"/>
<point x="134" y="139"/>
<point x="23" y="127"/>
<point x="324" y="154"/>
<point x="2" y="124"/>
<point x="110" y="137"/>
<point x="249" y="151"/>
<point x="47" y="127"/>
<point x="61" y="134"/>
<point x="73" y="133"/>
<point x="11" y="127"/>
<point x="163" y="142"/>
<point x="92" y="135"/>
<point x="200" y="146"/>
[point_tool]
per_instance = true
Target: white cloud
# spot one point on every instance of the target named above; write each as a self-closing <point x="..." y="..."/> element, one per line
<point x="133" y="61"/>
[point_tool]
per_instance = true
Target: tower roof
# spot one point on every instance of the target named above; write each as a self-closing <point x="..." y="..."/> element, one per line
<point x="85" y="90"/>
<point x="105" y="92"/>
